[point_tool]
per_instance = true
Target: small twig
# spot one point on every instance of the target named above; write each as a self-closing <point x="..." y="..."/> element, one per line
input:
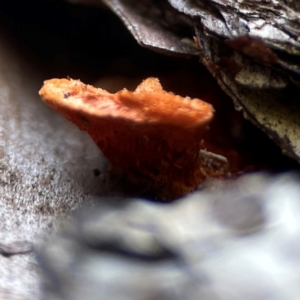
<point x="207" y="154"/>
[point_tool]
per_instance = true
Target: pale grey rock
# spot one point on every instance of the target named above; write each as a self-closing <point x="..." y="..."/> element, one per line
<point x="235" y="240"/>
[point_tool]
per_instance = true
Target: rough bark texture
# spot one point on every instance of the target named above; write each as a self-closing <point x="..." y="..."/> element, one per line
<point x="252" y="50"/>
<point x="156" y="25"/>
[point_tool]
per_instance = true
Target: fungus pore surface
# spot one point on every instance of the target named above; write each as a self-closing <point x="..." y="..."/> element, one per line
<point x="152" y="136"/>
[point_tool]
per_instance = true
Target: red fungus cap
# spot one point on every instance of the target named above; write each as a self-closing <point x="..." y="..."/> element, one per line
<point x="150" y="135"/>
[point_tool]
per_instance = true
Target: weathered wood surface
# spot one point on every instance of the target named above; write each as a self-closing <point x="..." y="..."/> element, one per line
<point x="45" y="170"/>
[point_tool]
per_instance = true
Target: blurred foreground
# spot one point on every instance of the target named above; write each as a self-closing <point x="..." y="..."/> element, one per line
<point x="233" y="240"/>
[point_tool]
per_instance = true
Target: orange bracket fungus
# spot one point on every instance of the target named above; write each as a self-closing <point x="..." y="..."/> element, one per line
<point x="150" y="135"/>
